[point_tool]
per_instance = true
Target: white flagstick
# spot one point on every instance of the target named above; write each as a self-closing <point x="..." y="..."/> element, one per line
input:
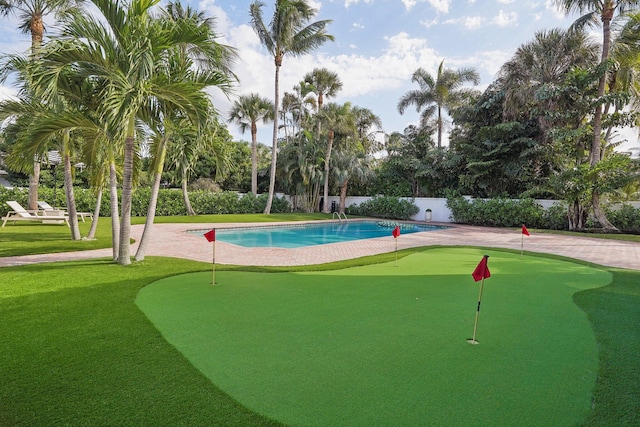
<point x="214" y="263"/>
<point x="396" y="262"/>
<point x="475" y="326"/>
<point x="522" y="245"/>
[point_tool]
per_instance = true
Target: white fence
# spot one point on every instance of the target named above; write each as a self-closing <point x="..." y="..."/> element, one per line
<point x="439" y="210"/>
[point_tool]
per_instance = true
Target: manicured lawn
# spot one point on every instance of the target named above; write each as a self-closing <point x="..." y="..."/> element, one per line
<point x="341" y="345"/>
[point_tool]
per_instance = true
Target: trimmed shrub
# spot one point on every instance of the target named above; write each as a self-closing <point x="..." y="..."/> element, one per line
<point x="627" y="218"/>
<point x="385" y="207"/>
<point x="500" y="212"/>
<point x="555" y="217"/>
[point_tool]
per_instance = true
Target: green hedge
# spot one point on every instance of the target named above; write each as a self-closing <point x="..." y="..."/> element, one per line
<point x="385" y="207"/>
<point x="503" y="212"/>
<point x="170" y="202"/>
<point x="627" y="218"/>
<point x="500" y="212"/>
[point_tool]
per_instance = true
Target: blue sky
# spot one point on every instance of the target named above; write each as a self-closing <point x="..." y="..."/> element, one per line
<point x="378" y="45"/>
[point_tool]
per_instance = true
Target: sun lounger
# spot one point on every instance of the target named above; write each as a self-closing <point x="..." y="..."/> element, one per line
<point x="47" y="207"/>
<point x="21" y="214"/>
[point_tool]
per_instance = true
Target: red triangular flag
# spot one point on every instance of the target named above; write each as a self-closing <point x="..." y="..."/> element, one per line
<point x="482" y="270"/>
<point x="211" y="235"/>
<point x="396" y="232"/>
<point x="525" y="231"/>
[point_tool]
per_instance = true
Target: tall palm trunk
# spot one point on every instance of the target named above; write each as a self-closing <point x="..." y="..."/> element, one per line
<point x="124" y="257"/>
<point x="274" y="147"/>
<point x="439" y="126"/>
<point x="254" y="158"/>
<point x="37" y="33"/>
<point x="596" y="147"/>
<point x="68" y="191"/>
<point x="325" y="206"/>
<point x="115" y="221"/>
<point x="153" y="201"/>
<point x="34" y="182"/>
<point x="96" y="215"/>
<point x="185" y="194"/>
<point x="151" y="215"/>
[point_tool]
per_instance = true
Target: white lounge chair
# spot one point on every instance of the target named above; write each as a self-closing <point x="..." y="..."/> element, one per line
<point x="47" y="207"/>
<point x="21" y="214"/>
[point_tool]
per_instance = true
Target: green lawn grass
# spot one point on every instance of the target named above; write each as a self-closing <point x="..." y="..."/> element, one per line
<point x="77" y="350"/>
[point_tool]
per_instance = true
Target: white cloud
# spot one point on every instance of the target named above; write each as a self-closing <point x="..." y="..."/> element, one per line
<point x="348" y="3"/>
<point x="472" y="22"/>
<point x="222" y="23"/>
<point x="441" y="6"/>
<point x="505" y="1"/>
<point x="487" y="63"/>
<point x="505" y="19"/>
<point x="314" y="4"/>
<point x="429" y="24"/>
<point x="357" y="25"/>
<point x="408" y="4"/>
<point x="468" y="22"/>
<point x="550" y="6"/>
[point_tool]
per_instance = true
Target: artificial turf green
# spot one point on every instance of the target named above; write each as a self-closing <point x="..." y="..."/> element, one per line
<point x="385" y="345"/>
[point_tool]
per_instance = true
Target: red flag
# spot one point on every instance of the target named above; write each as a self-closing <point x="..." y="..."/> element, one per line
<point x="211" y="235"/>
<point x="396" y="232"/>
<point x="482" y="270"/>
<point x="525" y="231"/>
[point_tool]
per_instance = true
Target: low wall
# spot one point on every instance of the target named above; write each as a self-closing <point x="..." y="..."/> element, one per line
<point x="438" y="205"/>
<point x="439" y="210"/>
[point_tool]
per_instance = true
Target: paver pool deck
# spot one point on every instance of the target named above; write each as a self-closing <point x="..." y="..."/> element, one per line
<point x="172" y="240"/>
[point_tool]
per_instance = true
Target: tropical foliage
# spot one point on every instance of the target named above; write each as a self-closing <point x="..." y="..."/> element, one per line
<point x="127" y="87"/>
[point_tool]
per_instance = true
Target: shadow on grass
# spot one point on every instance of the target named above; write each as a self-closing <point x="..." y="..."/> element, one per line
<point x="614" y="313"/>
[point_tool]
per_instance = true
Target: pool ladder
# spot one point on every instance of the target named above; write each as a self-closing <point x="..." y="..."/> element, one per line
<point x="340" y="216"/>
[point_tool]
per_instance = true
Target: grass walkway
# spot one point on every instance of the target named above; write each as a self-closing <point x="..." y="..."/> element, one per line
<point x="78" y="351"/>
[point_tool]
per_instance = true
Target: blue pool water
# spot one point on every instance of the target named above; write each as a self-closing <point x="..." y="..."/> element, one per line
<point x="296" y="236"/>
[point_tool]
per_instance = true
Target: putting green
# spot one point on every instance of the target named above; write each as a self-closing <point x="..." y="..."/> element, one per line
<point x="386" y="345"/>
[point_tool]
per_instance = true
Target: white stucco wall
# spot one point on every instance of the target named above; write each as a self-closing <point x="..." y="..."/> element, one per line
<point x="439" y="210"/>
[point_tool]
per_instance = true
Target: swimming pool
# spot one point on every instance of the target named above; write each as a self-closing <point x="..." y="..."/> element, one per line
<point x="310" y="234"/>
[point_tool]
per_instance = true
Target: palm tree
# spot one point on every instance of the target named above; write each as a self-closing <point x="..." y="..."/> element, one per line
<point x="31" y="14"/>
<point x="184" y="139"/>
<point x="128" y="51"/>
<point x="525" y="79"/>
<point x="324" y="83"/>
<point x="42" y="135"/>
<point x="246" y="112"/>
<point x="443" y="92"/>
<point x="596" y="12"/>
<point x="289" y="33"/>
<point x="543" y="61"/>
<point x="301" y="171"/>
<point x="296" y="108"/>
<point x="338" y="119"/>
<point x="349" y="164"/>
<point x="368" y="125"/>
